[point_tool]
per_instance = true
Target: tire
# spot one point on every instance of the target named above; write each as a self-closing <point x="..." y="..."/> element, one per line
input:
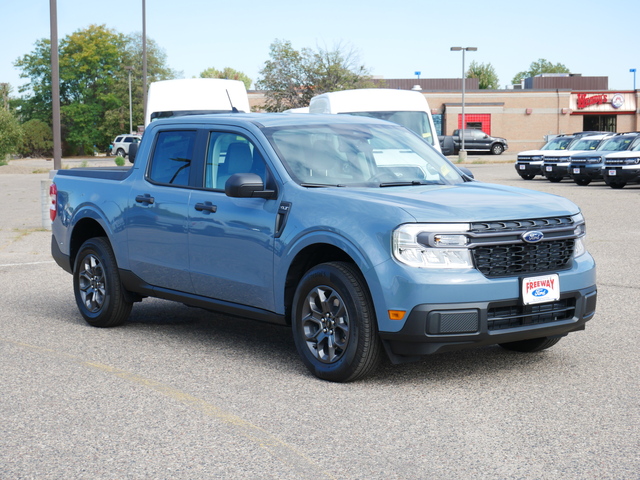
<point x="531" y="345"/>
<point x="616" y="184"/>
<point x="525" y="176"/>
<point x="334" y="323"/>
<point x="120" y="153"/>
<point x="96" y="283"/>
<point x="497" y="149"/>
<point x="583" y="182"/>
<point x="555" y="179"/>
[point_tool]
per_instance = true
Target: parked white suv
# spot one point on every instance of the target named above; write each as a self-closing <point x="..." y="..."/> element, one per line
<point x="121" y="144"/>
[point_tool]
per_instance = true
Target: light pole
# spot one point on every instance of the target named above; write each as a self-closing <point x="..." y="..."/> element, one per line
<point x="462" y="154"/>
<point x="633" y="70"/>
<point x="129" y="70"/>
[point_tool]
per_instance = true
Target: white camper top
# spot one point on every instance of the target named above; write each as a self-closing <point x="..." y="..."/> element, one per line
<point x="383" y="103"/>
<point x="195" y="95"/>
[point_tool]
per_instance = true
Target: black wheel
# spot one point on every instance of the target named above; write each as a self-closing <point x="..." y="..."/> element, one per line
<point x="334" y="324"/>
<point x="554" y="179"/>
<point x="532" y="345"/>
<point x="497" y="149"/>
<point x="582" y="181"/>
<point x="120" y="153"/>
<point x="97" y="287"/>
<point x="527" y="176"/>
<point x="616" y="184"/>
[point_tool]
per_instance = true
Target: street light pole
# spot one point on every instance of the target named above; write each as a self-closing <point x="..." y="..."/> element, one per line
<point x="129" y="69"/>
<point x="633" y="70"/>
<point x="462" y="154"/>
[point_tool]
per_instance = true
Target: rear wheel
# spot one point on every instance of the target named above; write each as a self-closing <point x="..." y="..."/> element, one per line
<point x="96" y="283"/>
<point x="120" y="153"/>
<point x="531" y="345"/>
<point x="334" y="324"/>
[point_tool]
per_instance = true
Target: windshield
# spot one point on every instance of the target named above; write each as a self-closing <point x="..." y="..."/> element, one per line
<point x="558" y="144"/>
<point x="359" y="155"/>
<point x="617" y="144"/>
<point x="415" y="121"/>
<point x="585" y="144"/>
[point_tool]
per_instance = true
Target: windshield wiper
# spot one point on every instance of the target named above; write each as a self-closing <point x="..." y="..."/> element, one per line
<point x="320" y="185"/>
<point x="408" y="183"/>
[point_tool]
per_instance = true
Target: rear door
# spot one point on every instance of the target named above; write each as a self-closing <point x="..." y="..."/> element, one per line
<point x="158" y="216"/>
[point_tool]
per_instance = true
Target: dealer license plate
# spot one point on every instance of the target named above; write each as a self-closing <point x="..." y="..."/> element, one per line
<point x="545" y="288"/>
<point x="612" y="173"/>
<point x="549" y="169"/>
<point x="576" y="170"/>
<point x="522" y="167"/>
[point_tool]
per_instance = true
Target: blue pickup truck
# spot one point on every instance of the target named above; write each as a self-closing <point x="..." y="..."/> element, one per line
<point x="353" y="231"/>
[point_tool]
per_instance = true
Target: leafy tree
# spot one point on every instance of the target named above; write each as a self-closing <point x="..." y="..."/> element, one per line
<point x="10" y="134"/>
<point x="37" y="139"/>
<point x="291" y="77"/>
<point x="94" y="86"/>
<point x="228" y="73"/>
<point x="538" y="67"/>
<point x="486" y="75"/>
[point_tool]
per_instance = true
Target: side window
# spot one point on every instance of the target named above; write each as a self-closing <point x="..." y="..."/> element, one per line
<point x="118" y="140"/>
<point x="230" y="153"/>
<point x="128" y="140"/>
<point x="172" y="155"/>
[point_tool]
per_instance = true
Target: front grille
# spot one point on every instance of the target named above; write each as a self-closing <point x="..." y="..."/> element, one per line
<point x="504" y="260"/>
<point x="498" y="249"/>
<point x="504" y="317"/>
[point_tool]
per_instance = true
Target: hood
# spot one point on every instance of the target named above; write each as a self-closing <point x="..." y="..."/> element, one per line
<point x="467" y="202"/>
<point x="529" y="153"/>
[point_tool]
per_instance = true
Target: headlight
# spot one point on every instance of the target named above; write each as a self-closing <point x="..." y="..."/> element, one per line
<point x="632" y="161"/>
<point x="581" y="233"/>
<point x="432" y="245"/>
<point x="594" y="159"/>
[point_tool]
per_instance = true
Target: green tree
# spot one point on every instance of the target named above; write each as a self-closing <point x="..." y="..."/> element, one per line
<point x="10" y="134"/>
<point x="538" y="67"/>
<point x="291" y="77"/>
<point x="228" y="73"/>
<point x="37" y="139"/>
<point x="486" y="75"/>
<point x="94" y="87"/>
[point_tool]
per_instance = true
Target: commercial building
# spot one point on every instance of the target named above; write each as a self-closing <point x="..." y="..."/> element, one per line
<point x="543" y="105"/>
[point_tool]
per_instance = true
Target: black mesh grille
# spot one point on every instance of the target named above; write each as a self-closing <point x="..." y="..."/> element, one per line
<point x="503" y="317"/>
<point x="523" y="258"/>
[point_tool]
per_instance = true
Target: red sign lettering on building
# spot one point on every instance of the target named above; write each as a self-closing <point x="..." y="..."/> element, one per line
<point x="584" y="101"/>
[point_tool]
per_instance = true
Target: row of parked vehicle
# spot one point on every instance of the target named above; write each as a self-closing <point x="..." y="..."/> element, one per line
<point x="585" y="157"/>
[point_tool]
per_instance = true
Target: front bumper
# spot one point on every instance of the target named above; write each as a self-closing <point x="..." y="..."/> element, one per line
<point x="582" y="171"/>
<point x="529" y="168"/>
<point x="624" y="173"/>
<point x="555" y="170"/>
<point x="432" y="328"/>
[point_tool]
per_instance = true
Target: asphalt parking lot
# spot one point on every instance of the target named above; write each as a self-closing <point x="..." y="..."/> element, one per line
<point x="179" y="393"/>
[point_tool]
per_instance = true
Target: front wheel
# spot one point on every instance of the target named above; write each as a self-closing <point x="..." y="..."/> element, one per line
<point x="497" y="149"/>
<point x="97" y="287"/>
<point x="555" y="179"/>
<point x="616" y="184"/>
<point x="527" y="176"/>
<point x="334" y="323"/>
<point x="583" y="182"/>
<point x="531" y="345"/>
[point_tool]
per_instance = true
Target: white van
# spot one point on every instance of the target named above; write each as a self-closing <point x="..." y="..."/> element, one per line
<point x="407" y="108"/>
<point x="170" y="98"/>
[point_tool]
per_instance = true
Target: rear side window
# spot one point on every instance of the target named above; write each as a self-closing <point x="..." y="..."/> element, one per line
<point x="172" y="156"/>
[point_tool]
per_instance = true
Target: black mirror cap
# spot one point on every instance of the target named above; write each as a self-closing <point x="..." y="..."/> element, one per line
<point x="246" y="185"/>
<point x="133" y="150"/>
<point x="466" y="172"/>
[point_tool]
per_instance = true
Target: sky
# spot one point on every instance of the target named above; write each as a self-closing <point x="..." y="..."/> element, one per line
<point x="392" y="40"/>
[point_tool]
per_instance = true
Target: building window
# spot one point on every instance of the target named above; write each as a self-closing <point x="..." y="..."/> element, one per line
<point x="600" y="123"/>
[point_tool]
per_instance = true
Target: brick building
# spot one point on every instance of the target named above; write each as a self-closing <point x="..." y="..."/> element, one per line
<point x="544" y="105"/>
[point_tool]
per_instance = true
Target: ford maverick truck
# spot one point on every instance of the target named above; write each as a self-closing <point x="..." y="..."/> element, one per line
<point x="353" y="231"/>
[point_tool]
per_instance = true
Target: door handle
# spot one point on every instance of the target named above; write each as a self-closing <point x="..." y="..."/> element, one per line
<point x="146" y="198"/>
<point x="206" y="207"/>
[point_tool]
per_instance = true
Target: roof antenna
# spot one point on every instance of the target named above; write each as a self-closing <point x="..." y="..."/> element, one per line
<point x="233" y="109"/>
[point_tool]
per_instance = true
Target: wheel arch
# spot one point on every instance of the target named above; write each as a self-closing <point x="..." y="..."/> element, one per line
<point x="83" y="230"/>
<point x="305" y="259"/>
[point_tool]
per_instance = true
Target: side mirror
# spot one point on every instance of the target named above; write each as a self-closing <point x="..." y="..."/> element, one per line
<point x="466" y="171"/>
<point x="133" y="150"/>
<point x="247" y="185"/>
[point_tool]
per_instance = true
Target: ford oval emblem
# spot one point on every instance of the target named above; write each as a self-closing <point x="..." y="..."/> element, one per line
<point x="540" y="292"/>
<point x="533" y="236"/>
